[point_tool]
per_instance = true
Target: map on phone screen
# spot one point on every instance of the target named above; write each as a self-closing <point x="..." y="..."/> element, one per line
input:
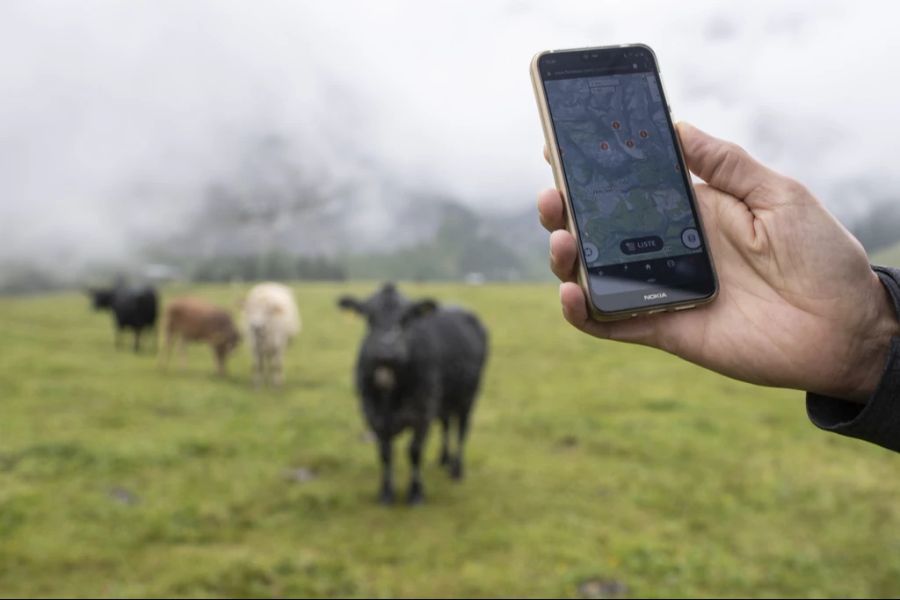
<point x="621" y="168"/>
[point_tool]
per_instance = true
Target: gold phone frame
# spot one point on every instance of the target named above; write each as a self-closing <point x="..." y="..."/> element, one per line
<point x="560" y="181"/>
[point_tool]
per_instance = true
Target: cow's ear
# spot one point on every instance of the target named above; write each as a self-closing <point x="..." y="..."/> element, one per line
<point x="351" y="303"/>
<point x="418" y="309"/>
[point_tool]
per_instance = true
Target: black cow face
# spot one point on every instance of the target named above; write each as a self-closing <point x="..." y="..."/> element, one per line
<point x="389" y="314"/>
<point x="101" y="299"/>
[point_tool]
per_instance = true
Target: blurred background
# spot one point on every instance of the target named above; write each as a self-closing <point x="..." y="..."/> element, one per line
<point x="218" y="140"/>
<point x="206" y="145"/>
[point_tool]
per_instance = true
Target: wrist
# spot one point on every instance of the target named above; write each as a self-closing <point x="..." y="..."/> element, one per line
<point x="879" y="327"/>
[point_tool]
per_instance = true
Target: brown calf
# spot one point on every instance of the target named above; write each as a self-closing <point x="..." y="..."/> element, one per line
<point x="195" y="320"/>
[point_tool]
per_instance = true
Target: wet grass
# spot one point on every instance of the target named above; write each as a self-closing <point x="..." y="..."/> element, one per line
<point x="594" y="468"/>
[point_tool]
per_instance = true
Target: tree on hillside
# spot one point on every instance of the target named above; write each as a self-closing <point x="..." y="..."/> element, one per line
<point x="270" y="202"/>
<point x="462" y="245"/>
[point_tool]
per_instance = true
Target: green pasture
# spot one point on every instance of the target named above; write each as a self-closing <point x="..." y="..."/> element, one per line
<point x="594" y="469"/>
<point x="889" y="257"/>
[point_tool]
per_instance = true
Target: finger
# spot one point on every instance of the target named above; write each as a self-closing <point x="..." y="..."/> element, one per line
<point x="575" y="310"/>
<point x="551" y="210"/>
<point x="723" y="165"/>
<point x="646" y="330"/>
<point x="563" y="255"/>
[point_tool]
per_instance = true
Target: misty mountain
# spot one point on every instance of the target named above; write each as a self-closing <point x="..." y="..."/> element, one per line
<point x="273" y="206"/>
<point x="232" y="133"/>
<point x="465" y="245"/>
<point x="418" y="236"/>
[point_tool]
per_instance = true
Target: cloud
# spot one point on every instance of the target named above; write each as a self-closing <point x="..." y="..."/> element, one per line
<point x="116" y="116"/>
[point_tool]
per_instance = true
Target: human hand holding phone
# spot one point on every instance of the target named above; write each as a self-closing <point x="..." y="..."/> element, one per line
<point x="798" y="304"/>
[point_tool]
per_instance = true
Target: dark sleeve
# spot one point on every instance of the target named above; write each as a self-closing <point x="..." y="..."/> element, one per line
<point x="877" y="421"/>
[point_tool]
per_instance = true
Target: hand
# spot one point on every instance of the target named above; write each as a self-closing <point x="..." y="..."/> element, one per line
<point x="798" y="304"/>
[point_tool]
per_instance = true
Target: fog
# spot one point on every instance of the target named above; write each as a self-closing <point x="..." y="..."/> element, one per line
<point x="116" y="116"/>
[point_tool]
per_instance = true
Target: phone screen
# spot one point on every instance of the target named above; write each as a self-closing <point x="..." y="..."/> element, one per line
<point x="631" y="198"/>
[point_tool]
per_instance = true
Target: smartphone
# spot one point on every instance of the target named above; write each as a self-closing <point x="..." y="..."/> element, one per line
<point x="618" y="165"/>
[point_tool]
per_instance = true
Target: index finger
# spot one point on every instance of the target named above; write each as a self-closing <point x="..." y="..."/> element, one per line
<point x="551" y="209"/>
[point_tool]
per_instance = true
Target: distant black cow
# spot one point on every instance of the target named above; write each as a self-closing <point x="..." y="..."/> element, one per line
<point x="417" y="362"/>
<point x="133" y="308"/>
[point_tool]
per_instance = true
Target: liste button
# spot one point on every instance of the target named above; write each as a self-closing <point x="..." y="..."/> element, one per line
<point x="652" y="243"/>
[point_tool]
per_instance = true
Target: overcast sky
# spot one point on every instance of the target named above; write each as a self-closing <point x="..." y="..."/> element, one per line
<point x="115" y="115"/>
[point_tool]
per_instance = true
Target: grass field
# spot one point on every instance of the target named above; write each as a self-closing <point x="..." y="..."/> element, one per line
<point x="588" y="462"/>
<point x="889" y="257"/>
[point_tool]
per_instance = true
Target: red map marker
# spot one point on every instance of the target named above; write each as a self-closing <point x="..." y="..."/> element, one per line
<point x="630" y="143"/>
<point x="604" y="146"/>
<point x="644" y="133"/>
<point x="616" y="124"/>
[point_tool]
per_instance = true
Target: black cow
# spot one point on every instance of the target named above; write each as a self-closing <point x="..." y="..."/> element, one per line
<point x="133" y="308"/>
<point x="417" y="362"/>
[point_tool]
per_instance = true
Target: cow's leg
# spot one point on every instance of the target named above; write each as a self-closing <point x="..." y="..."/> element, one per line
<point x="276" y="367"/>
<point x="445" y="441"/>
<point x="137" y="340"/>
<point x="220" y="353"/>
<point x="182" y="351"/>
<point x="258" y="367"/>
<point x="456" y="468"/>
<point x="385" y="449"/>
<point x="165" y="355"/>
<point x="416" y="493"/>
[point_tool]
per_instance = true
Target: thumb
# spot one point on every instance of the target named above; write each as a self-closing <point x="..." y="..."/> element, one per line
<point x="723" y="165"/>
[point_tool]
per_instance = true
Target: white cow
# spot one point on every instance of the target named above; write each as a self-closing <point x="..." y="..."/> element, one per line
<point x="271" y="319"/>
